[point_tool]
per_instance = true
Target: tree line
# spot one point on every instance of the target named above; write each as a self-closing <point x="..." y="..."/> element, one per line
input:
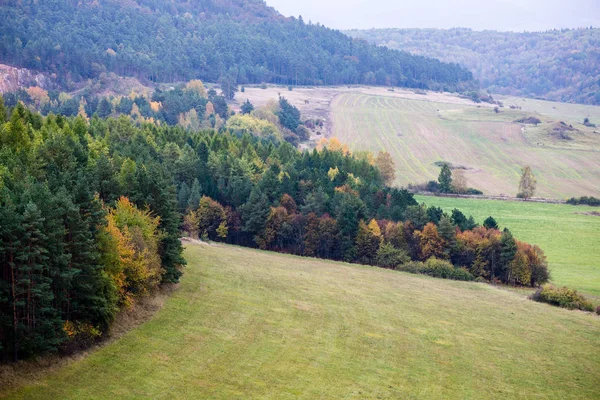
<point x="558" y="65"/>
<point x="237" y="41"/>
<point x="91" y="213"/>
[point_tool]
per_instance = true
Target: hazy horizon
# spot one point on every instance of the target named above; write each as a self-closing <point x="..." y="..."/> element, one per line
<point x="501" y="15"/>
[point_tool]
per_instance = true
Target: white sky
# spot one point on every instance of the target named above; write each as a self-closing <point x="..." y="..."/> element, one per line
<point x="503" y="15"/>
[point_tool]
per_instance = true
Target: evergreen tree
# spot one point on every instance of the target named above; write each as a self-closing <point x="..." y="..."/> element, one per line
<point x="460" y="220"/>
<point x="229" y="87"/>
<point x="247" y="107"/>
<point x="195" y="195"/>
<point x="447" y="231"/>
<point x="2" y="110"/>
<point x="255" y="212"/>
<point x="289" y="116"/>
<point x="316" y="202"/>
<point x="508" y="251"/>
<point x="351" y="211"/>
<point x="445" y="179"/>
<point x="104" y="108"/>
<point x="490" y="223"/>
<point x="183" y="197"/>
<point x="435" y="214"/>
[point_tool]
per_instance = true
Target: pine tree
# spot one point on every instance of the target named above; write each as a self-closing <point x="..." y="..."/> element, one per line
<point x="2" y="110"/>
<point x="247" y="107"/>
<point x="155" y="190"/>
<point x="104" y="108"/>
<point x="255" y="212"/>
<point x="195" y="196"/>
<point x="36" y="326"/>
<point x="93" y="297"/>
<point x="289" y="116"/>
<point x="447" y="231"/>
<point x="490" y="223"/>
<point x="508" y="250"/>
<point x="11" y="233"/>
<point x="316" y="202"/>
<point x="183" y="197"/>
<point x="445" y="179"/>
<point x="351" y="211"/>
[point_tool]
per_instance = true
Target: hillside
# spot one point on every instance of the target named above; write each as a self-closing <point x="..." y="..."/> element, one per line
<point x="165" y="41"/>
<point x="490" y="147"/>
<point x="250" y="324"/>
<point x="554" y="65"/>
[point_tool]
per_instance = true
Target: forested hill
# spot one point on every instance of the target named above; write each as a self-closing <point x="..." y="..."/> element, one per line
<point x="176" y="40"/>
<point x="555" y="65"/>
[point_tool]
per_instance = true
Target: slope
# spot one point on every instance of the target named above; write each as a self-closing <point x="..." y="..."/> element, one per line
<point x="490" y="146"/>
<point x="249" y="324"/>
<point x="560" y="65"/>
<point x="241" y="40"/>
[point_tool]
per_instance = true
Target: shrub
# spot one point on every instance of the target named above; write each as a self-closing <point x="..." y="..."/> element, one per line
<point x="589" y="201"/>
<point x="474" y="192"/>
<point x="438" y="269"/>
<point x="390" y="257"/>
<point x="598" y="310"/>
<point x="562" y="297"/>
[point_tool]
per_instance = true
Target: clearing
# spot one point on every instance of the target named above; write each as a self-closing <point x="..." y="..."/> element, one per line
<point x="250" y="324"/>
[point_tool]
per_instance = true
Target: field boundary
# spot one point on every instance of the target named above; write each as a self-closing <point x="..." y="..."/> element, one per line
<point x="479" y="197"/>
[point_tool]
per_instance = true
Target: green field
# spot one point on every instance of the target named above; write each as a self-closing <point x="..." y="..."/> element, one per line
<point x="492" y="148"/>
<point x="246" y="324"/>
<point x="569" y="238"/>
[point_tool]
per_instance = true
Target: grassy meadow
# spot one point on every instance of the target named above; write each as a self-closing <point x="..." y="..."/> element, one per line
<point x="246" y="324"/>
<point x="492" y="148"/>
<point x="569" y="238"/>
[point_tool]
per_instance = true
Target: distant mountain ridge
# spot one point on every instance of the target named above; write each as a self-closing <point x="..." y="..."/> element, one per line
<point x="173" y="40"/>
<point x="559" y="65"/>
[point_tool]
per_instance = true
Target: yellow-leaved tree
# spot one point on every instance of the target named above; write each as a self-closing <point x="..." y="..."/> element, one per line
<point x="129" y="247"/>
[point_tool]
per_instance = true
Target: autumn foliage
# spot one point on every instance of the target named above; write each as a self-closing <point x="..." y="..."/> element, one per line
<point x="129" y="244"/>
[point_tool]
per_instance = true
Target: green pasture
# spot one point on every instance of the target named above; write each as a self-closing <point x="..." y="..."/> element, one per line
<point x="246" y="324"/>
<point x="569" y="235"/>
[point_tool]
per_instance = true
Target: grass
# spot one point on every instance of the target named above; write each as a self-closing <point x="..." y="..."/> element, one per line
<point x="247" y="324"/>
<point x="569" y="238"/>
<point x="419" y="133"/>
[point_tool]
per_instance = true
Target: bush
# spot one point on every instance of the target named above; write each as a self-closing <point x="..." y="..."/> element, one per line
<point x="390" y="257"/>
<point x="588" y="201"/>
<point x="474" y="192"/>
<point x="437" y="269"/>
<point x="598" y="310"/>
<point x="562" y="297"/>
